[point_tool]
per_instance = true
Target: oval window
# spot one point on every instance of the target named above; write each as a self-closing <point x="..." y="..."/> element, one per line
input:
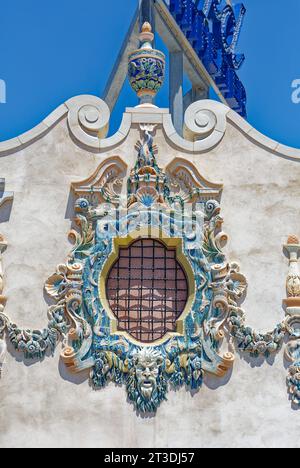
<point x="147" y="290"/>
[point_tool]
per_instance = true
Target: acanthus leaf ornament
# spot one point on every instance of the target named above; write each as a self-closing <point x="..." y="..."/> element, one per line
<point x="179" y="208"/>
<point x="155" y="207"/>
<point x="81" y="317"/>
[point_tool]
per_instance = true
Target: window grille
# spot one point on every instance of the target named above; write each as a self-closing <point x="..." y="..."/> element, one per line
<point x="147" y="290"/>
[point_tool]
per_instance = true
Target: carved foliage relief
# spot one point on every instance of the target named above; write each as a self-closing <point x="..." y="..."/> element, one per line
<point x="177" y="207"/>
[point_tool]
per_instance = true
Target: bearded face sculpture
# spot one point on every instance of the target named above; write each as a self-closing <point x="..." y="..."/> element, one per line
<point x="147" y="369"/>
<point x="146" y="384"/>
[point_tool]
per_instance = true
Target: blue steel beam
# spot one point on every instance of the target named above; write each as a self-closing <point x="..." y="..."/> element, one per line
<point x="213" y="27"/>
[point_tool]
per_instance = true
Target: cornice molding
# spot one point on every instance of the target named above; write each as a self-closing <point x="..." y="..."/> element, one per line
<point x="205" y="125"/>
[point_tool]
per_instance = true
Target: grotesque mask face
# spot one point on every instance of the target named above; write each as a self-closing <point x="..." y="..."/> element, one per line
<point x="147" y="369"/>
<point x="146" y="383"/>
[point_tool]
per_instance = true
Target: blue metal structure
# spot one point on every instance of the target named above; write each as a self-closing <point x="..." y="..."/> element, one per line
<point x="213" y="28"/>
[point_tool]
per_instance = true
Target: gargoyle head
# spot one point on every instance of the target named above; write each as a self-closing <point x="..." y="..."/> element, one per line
<point x="146" y="384"/>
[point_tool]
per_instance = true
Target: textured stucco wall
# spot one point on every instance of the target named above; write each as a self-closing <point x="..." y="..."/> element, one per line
<point x="41" y="404"/>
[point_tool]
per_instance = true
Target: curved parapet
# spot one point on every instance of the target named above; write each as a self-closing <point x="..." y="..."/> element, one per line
<point x="205" y="124"/>
<point x="88" y="121"/>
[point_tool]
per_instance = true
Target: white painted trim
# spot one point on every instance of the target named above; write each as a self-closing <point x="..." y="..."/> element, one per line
<point x="16" y="144"/>
<point x="91" y="135"/>
<point x="262" y="140"/>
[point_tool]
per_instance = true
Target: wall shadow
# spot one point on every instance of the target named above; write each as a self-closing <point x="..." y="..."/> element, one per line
<point x="77" y="379"/>
<point x="70" y="213"/>
<point x="214" y="382"/>
<point x="5" y="211"/>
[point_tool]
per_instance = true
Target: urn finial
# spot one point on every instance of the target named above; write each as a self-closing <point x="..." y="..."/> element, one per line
<point x="146" y="68"/>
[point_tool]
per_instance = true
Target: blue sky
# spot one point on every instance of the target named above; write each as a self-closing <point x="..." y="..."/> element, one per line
<point x="53" y="50"/>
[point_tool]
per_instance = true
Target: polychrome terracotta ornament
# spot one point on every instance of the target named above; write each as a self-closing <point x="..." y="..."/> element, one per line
<point x="146" y="68"/>
<point x="171" y="334"/>
<point x="146" y="297"/>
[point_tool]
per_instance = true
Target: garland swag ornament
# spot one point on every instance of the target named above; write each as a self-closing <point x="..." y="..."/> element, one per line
<point x="177" y="208"/>
<point x="81" y="318"/>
